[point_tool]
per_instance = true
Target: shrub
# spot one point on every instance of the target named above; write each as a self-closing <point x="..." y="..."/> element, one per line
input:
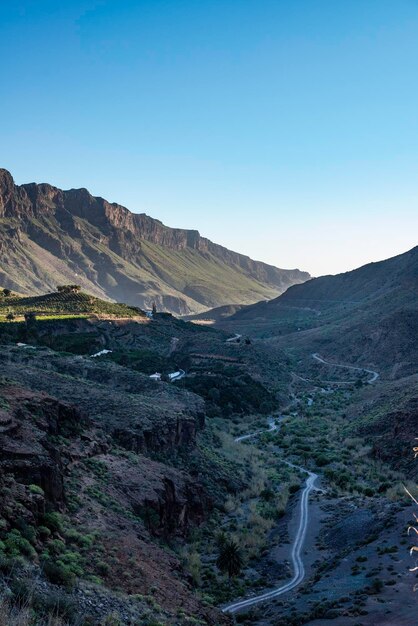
<point x="35" y="489"/>
<point x="58" y="573"/>
<point x="16" y="545"/>
<point x="230" y="558"/>
<point x="53" y="521"/>
<point x="103" y="568"/>
<point x="56" y="546"/>
<point x="44" y="533"/>
<point x="376" y="586"/>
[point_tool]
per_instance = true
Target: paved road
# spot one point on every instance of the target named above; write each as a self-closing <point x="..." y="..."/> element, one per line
<point x="273" y="425"/>
<point x="234" y="338"/>
<point x="375" y="375"/>
<point x="297" y="562"/>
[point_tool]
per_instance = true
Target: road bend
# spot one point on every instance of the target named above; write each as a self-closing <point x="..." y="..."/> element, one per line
<point x="296" y="552"/>
<point x="374" y="375"/>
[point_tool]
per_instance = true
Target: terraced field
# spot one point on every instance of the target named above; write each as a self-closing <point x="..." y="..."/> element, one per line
<point x="63" y="305"/>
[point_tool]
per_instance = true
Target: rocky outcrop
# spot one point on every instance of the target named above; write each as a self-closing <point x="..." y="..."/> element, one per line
<point x="167" y="499"/>
<point x="28" y="428"/>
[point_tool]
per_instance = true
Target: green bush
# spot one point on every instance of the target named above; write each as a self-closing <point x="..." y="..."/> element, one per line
<point x="35" y="489"/>
<point x="16" y="545"/>
<point x="58" y="573"/>
<point x="43" y="532"/>
<point x="53" y="521"/>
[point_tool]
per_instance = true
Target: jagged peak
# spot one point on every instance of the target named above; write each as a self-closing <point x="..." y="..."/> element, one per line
<point x="6" y="179"/>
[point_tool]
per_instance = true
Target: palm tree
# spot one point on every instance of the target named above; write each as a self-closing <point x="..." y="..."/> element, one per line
<point x="230" y="558"/>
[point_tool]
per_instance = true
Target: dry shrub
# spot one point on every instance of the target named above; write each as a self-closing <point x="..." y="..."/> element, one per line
<point x="231" y="505"/>
<point x="23" y="616"/>
<point x="281" y="499"/>
<point x="397" y="491"/>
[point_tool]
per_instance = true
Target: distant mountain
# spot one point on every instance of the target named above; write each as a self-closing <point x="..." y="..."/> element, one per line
<point x="49" y="236"/>
<point x="366" y="315"/>
<point x="396" y="277"/>
<point x="217" y="314"/>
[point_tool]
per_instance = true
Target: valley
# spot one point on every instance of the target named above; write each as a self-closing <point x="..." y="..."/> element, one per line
<point x="209" y="313"/>
<point x="263" y="486"/>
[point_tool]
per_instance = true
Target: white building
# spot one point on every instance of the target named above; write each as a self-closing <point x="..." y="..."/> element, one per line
<point x="176" y="376"/>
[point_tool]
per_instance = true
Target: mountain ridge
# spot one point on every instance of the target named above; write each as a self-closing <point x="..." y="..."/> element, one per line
<point x="122" y="255"/>
<point x="365" y="316"/>
<point x="365" y="284"/>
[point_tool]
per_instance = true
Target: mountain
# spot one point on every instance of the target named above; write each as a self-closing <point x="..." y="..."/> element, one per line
<point x="217" y="314"/>
<point x="49" y="236"/>
<point x="367" y="315"/>
<point x="364" y="287"/>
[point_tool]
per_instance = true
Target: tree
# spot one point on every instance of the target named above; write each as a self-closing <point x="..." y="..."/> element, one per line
<point x="30" y="318"/>
<point x="10" y="317"/>
<point x="154" y="309"/>
<point x="7" y="293"/>
<point x="31" y="325"/>
<point x="230" y="558"/>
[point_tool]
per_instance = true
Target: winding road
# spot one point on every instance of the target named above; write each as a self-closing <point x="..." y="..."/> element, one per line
<point x="297" y="562"/>
<point x="296" y="557"/>
<point x="273" y="425"/>
<point x="375" y="375"/>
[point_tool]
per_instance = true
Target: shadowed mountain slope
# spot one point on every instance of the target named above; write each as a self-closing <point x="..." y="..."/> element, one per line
<point x="392" y="283"/>
<point x="49" y="236"/>
<point x="369" y="315"/>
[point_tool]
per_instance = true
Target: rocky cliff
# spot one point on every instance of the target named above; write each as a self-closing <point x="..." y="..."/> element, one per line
<point x="48" y="236"/>
<point x="75" y="504"/>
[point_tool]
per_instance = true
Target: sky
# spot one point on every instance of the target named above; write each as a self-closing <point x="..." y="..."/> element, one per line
<point x="285" y="130"/>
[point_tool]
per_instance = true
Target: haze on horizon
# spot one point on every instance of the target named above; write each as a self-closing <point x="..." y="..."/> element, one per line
<point x="286" y="131"/>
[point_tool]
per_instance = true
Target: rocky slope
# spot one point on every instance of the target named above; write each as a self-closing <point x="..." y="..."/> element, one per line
<point x="106" y="475"/>
<point x="387" y="417"/>
<point x="369" y="315"/>
<point x="49" y="236"/>
<point x="387" y="284"/>
<point x="74" y="506"/>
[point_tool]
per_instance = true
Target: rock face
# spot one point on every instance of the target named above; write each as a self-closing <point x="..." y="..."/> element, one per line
<point x="48" y="235"/>
<point x="29" y="456"/>
<point x="52" y="455"/>
<point x="167" y="499"/>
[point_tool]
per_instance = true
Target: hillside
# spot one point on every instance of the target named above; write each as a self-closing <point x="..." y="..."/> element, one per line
<point x="105" y="474"/>
<point x="363" y="287"/>
<point x="215" y="315"/>
<point x="368" y="315"/>
<point x="65" y="304"/>
<point x="49" y="237"/>
<point x="114" y="487"/>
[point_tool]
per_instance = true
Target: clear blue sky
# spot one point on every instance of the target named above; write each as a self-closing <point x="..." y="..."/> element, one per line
<point x="287" y="130"/>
